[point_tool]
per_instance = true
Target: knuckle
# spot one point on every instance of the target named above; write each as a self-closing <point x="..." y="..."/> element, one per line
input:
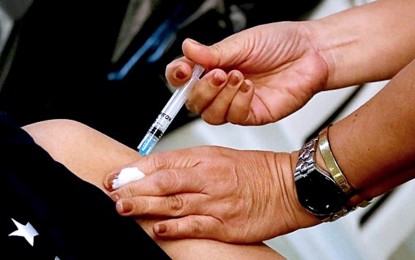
<point x="167" y="180"/>
<point x="176" y="204"/>
<point x="161" y="161"/>
<point x="192" y="107"/>
<point x="196" y="226"/>
<point x="212" y="119"/>
<point x="124" y="192"/>
<point x="143" y="207"/>
<point x="129" y="192"/>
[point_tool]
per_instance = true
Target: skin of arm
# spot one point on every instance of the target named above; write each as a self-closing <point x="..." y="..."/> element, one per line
<point x="90" y="155"/>
<point x="259" y="76"/>
<point x="368" y="43"/>
<point x="380" y="132"/>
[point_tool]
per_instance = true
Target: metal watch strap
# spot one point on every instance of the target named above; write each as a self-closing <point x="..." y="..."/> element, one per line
<point x="305" y="162"/>
<point x="305" y="158"/>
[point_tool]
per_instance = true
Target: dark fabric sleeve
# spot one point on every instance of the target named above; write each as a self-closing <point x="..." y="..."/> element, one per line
<point x="71" y="219"/>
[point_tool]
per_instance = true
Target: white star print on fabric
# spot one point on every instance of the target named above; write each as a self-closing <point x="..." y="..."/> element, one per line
<point x="27" y="231"/>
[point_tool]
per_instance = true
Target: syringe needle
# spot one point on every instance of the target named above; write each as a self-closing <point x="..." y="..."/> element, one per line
<point x="168" y="113"/>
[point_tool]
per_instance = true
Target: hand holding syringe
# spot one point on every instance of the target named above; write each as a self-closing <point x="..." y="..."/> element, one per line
<point x="169" y="112"/>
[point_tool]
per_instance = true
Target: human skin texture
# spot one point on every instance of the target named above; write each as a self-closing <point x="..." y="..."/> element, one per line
<point x="91" y="155"/>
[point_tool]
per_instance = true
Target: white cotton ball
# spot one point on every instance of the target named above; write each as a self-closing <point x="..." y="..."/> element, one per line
<point x="127" y="175"/>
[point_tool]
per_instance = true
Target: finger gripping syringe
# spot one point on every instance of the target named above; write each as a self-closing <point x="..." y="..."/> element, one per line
<point x="168" y="113"/>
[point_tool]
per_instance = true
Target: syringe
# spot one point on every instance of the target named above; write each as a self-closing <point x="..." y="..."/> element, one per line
<point x="168" y="113"/>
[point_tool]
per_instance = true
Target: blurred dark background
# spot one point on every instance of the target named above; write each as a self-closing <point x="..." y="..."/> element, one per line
<point x="59" y="55"/>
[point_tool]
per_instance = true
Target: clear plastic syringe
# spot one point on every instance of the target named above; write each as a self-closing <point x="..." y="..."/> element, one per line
<point x="166" y="116"/>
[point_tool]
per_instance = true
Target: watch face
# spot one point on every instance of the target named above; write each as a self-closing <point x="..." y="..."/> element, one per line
<point x="319" y="194"/>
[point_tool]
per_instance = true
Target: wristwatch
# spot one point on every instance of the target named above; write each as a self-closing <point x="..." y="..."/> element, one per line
<point x="317" y="191"/>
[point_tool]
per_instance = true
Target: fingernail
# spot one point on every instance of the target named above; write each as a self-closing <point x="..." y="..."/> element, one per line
<point x="124" y="206"/>
<point x="234" y="79"/>
<point x="160" y="228"/>
<point x="109" y="181"/>
<point x="245" y="87"/>
<point x="218" y="79"/>
<point x="179" y="74"/>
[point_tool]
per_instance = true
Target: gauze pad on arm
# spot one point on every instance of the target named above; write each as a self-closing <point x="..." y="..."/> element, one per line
<point x="127" y="175"/>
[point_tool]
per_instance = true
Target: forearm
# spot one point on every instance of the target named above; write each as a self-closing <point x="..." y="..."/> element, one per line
<point x="374" y="145"/>
<point x="90" y="155"/>
<point x="368" y="43"/>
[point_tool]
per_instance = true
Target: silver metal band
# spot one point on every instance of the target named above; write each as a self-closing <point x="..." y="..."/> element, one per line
<point x="305" y="159"/>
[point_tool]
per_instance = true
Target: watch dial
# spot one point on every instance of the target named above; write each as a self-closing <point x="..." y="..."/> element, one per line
<point x="319" y="194"/>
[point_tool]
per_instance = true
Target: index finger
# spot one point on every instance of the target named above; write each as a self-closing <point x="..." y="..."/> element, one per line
<point x="163" y="183"/>
<point x="179" y="71"/>
<point x="156" y="162"/>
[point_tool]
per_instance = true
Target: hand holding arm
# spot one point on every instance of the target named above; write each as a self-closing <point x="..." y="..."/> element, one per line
<point x="217" y="193"/>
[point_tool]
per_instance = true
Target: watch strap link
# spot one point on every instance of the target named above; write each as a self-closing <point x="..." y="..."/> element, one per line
<point x="305" y="158"/>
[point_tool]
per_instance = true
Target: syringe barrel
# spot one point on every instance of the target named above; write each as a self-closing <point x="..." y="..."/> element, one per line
<point x="169" y="112"/>
<point x="179" y="97"/>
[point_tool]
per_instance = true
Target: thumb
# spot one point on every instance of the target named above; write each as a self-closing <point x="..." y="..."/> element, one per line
<point x="225" y="54"/>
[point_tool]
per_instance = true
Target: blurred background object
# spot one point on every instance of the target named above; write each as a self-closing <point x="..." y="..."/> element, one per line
<point x="102" y="62"/>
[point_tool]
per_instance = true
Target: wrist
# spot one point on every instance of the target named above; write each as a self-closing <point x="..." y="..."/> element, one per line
<point x="316" y="191"/>
<point x="321" y="187"/>
<point x="329" y="163"/>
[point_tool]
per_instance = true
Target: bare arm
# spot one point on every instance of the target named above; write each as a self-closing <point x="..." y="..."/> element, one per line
<point x="91" y="155"/>
<point x="375" y="144"/>
<point x="368" y="43"/>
